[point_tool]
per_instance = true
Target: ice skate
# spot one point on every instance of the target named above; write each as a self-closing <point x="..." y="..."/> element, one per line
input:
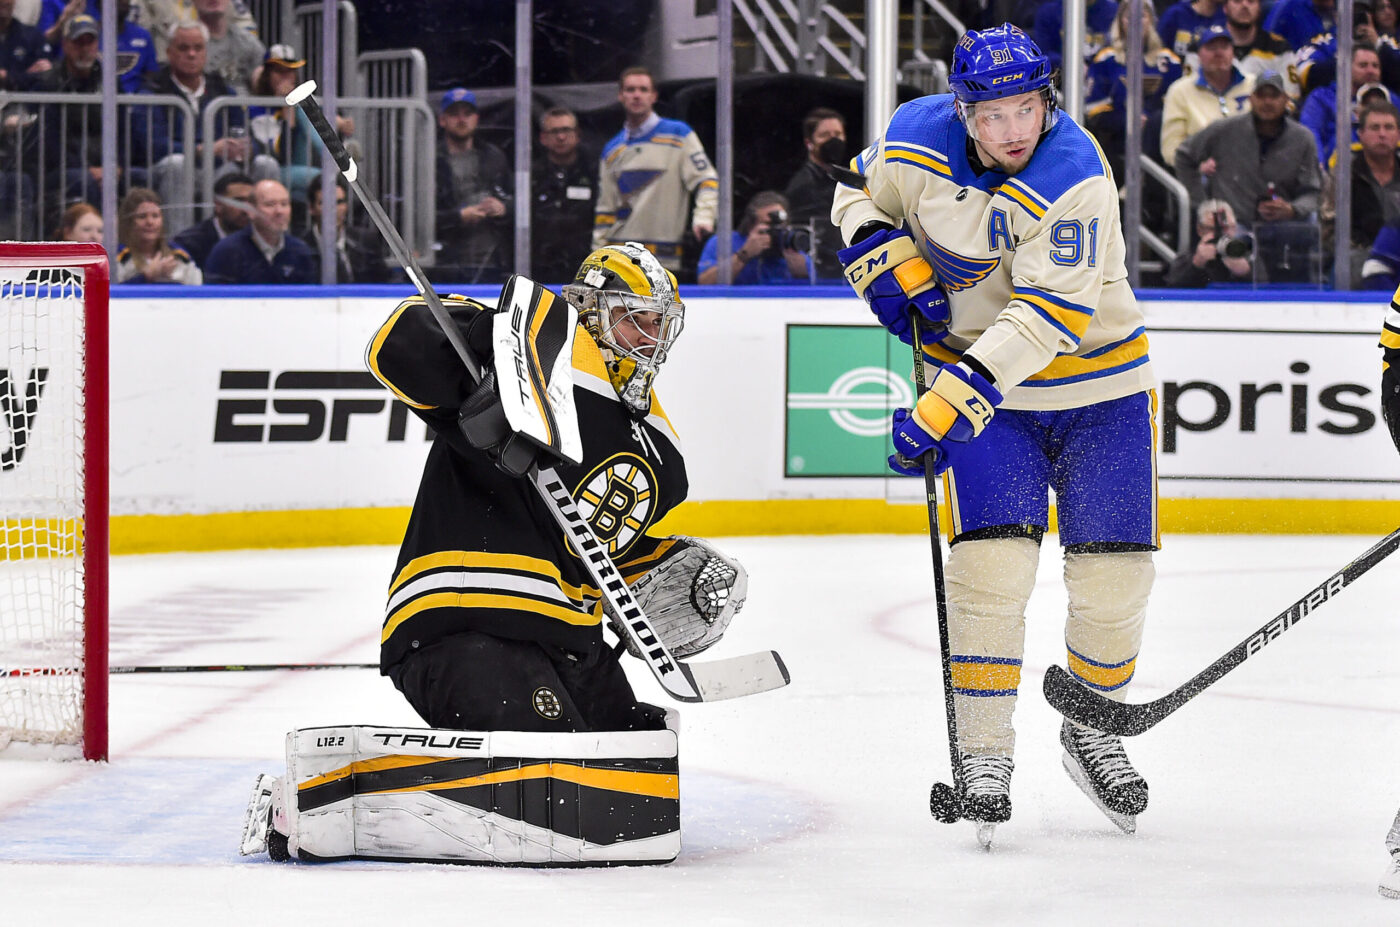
<point x="1099" y="766"/>
<point x="257" y="820"/>
<point x="986" y="793"/>
<point x="1389" y="886"/>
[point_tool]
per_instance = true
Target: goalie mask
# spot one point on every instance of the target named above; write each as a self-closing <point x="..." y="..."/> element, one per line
<point x="628" y="303"/>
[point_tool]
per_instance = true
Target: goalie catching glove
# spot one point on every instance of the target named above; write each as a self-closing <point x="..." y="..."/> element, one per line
<point x="690" y="598"/>
<point x="887" y="271"/>
<point x="959" y="404"/>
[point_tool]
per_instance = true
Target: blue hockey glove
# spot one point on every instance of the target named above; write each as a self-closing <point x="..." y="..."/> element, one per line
<point x="887" y="271"/>
<point x="958" y="405"/>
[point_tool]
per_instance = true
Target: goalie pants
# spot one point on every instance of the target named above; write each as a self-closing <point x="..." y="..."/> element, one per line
<point x="479" y="682"/>
<point x="1100" y="460"/>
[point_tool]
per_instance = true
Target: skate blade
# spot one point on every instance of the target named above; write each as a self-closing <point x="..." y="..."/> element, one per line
<point x="1387" y="891"/>
<point x="1127" y="823"/>
<point x="256" y="819"/>
<point x="985" y="833"/>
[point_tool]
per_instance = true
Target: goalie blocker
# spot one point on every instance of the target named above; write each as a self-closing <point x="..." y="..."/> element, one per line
<point x="504" y="798"/>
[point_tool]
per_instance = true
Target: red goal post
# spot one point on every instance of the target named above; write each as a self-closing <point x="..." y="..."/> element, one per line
<point x="53" y="499"/>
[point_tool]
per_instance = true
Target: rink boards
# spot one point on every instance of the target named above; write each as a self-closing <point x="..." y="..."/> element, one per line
<point x="247" y="419"/>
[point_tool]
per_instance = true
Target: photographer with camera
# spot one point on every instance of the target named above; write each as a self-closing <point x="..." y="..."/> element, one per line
<point x="766" y="249"/>
<point x="1222" y="253"/>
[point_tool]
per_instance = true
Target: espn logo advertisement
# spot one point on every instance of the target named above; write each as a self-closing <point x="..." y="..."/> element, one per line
<point x="306" y="406"/>
<point x="1235" y="407"/>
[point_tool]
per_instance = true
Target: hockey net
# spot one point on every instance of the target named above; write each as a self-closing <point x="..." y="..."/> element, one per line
<point x="53" y="500"/>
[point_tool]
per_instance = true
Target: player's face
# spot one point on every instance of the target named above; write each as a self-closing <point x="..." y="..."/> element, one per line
<point x="637" y="96"/>
<point x="1006" y="130"/>
<point x="636" y="330"/>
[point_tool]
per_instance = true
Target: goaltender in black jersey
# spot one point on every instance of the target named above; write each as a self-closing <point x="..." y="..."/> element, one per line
<point x="492" y="621"/>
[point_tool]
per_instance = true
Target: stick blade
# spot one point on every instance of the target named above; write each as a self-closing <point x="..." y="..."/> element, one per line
<point x="735" y="677"/>
<point x="1083" y="705"/>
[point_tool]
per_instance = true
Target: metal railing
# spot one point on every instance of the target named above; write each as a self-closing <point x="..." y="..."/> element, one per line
<point x="397" y="72"/>
<point x="795" y="37"/>
<point x="308" y="27"/>
<point x="396" y="154"/>
<point x="51" y="152"/>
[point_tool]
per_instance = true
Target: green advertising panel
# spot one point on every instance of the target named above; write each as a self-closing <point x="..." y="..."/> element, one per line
<point x="842" y="383"/>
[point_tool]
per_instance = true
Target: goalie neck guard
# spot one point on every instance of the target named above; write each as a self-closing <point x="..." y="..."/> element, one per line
<point x="629" y="304"/>
<point x="996" y="63"/>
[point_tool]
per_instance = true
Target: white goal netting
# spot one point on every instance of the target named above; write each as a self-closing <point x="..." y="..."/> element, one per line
<point x="42" y="468"/>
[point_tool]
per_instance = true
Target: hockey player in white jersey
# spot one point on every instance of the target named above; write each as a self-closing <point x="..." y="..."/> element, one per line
<point x="996" y="217"/>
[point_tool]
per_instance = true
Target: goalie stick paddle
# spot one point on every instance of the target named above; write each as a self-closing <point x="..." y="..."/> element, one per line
<point x="685" y="682"/>
<point x="1082" y="704"/>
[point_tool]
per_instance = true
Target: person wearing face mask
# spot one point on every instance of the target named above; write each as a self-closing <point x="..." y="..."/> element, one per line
<point x="810" y="189"/>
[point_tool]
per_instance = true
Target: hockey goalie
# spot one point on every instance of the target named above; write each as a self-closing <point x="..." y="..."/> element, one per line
<point x="537" y="751"/>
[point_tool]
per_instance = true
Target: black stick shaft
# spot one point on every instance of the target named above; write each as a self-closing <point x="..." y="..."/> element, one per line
<point x="929" y="460"/>
<point x="207" y="668"/>
<point x="1086" y="706"/>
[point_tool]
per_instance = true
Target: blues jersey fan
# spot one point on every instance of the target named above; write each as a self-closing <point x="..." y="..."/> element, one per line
<point x="493" y="623"/>
<point x="996" y="216"/>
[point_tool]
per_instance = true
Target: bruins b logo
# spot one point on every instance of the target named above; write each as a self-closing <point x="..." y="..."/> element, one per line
<point x="618" y="499"/>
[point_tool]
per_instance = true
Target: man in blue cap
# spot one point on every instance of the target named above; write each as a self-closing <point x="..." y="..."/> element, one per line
<point x="1217" y="90"/>
<point x="473" y="202"/>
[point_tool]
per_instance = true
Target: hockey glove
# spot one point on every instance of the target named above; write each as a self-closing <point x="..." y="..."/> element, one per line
<point x="958" y="405"/>
<point x="1390" y="394"/>
<point x="690" y="598"/>
<point x="887" y="271"/>
<point x="482" y="421"/>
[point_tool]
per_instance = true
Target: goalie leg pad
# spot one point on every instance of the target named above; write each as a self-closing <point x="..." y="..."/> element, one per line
<point x="989" y="583"/>
<point x="1107" y="609"/>
<point x="503" y="797"/>
<point x="690" y="597"/>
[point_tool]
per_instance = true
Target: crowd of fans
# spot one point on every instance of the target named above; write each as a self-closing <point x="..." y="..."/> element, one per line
<point x="1239" y="101"/>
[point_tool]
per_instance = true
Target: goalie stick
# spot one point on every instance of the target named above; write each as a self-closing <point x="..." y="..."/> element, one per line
<point x="1082" y="704"/>
<point x="693" y="682"/>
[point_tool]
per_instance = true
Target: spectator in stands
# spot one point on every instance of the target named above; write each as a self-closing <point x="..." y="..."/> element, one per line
<point x="810" y="190"/>
<point x="235" y="51"/>
<point x="80" y="222"/>
<point x="1217" y="91"/>
<point x="1050" y="24"/>
<point x="564" y="182"/>
<point x="144" y="255"/>
<point x="23" y="51"/>
<point x="1184" y="20"/>
<point x="159" y="140"/>
<point x="136" y="50"/>
<point x="160" y="16"/>
<point x="359" y="250"/>
<point x="233" y="206"/>
<point x="1207" y="263"/>
<point x="289" y="140"/>
<point x="264" y="252"/>
<point x="1106" y="90"/>
<point x="1319" y="112"/>
<point x="649" y="174"/>
<point x="1385" y="21"/>
<point x="1264" y="166"/>
<point x="763" y="250"/>
<point x="1256" y="48"/>
<point x="1298" y="21"/>
<point x="473" y="205"/>
<point x="70" y="143"/>
<point x="1375" y="184"/>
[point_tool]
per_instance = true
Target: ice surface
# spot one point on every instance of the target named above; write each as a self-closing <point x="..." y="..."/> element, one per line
<point x="1271" y="793"/>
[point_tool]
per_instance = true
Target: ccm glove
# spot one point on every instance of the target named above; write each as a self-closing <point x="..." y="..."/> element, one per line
<point x="482" y="421"/>
<point x="957" y="407"/>
<point x="887" y="271"/>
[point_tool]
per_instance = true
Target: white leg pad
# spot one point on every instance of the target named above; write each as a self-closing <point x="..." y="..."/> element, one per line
<point x="503" y="797"/>
<point x="989" y="583"/>
<point x="1107" y="609"/>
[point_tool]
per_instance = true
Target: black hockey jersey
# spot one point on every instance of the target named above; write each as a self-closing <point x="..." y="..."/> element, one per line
<point x="481" y="550"/>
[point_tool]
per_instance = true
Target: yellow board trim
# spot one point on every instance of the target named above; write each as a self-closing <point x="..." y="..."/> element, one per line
<point x="146" y="534"/>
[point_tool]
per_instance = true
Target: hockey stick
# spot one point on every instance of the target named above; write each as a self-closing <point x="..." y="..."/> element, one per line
<point x="696" y="682"/>
<point x="1082" y="704"/>
<point x="212" y="668"/>
<point x="943" y="800"/>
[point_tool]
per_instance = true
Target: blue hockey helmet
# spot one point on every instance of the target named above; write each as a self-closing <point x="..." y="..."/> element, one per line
<point x="998" y="62"/>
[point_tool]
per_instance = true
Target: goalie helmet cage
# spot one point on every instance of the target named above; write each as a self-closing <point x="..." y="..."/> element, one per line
<point x="53" y="499"/>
